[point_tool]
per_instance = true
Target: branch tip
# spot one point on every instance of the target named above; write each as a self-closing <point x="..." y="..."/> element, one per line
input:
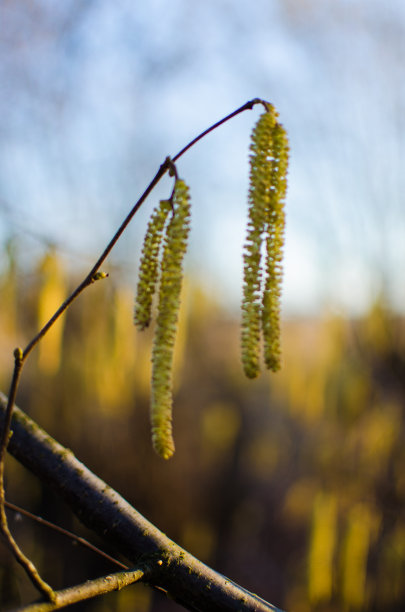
<point x="18" y="355"/>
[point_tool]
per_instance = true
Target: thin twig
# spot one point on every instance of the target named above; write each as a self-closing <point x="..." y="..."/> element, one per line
<point x="28" y="566"/>
<point x="87" y="590"/>
<point x="91" y="276"/>
<point x="248" y="106"/>
<point x="72" y="536"/>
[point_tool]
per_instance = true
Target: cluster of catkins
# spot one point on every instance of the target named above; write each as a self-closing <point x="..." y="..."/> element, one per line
<point x="163" y="254"/>
<point x="172" y="218"/>
<point x="265" y="238"/>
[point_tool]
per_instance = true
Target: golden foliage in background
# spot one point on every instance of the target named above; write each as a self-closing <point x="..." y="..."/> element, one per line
<point x="293" y="485"/>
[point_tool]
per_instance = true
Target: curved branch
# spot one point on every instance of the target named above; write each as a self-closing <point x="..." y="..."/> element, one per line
<point x="187" y="580"/>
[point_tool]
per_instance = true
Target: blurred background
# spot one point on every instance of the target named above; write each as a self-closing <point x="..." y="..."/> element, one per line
<point x="292" y="485"/>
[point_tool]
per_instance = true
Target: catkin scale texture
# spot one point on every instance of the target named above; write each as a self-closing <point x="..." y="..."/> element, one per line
<point x="274" y="250"/>
<point x="149" y="266"/>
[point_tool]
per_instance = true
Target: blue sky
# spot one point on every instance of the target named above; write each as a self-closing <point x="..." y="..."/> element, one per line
<point x="96" y="94"/>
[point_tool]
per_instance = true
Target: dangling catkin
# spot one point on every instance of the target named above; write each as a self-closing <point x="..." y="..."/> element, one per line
<point x="260" y="304"/>
<point x="261" y="147"/>
<point x="149" y="266"/>
<point x="171" y="274"/>
<point x="274" y="251"/>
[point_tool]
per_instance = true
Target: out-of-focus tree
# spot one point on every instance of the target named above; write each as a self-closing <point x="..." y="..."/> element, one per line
<point x="293" y="485"/>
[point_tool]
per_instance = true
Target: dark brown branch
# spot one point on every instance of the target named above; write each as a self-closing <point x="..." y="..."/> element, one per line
<point x="247" y="106"/>
<point x="187" y="580"/>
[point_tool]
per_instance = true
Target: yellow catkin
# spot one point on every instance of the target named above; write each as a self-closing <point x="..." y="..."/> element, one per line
<point x="149" y="266"/>
<point x="171" y="270"/>
<point x="261" y="289"/>
<point x="274" y="250"/>
<point x="251" y="303"/>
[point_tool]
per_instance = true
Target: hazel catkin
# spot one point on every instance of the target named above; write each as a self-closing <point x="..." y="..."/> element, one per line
<point x="262" y="287"/>
<point x="149" y="265"/>
<point x="274" y="251"/>
<point x="171" y="275"/>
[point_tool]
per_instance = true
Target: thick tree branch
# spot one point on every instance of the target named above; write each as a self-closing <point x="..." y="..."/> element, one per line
<point x="187" y="580"/>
